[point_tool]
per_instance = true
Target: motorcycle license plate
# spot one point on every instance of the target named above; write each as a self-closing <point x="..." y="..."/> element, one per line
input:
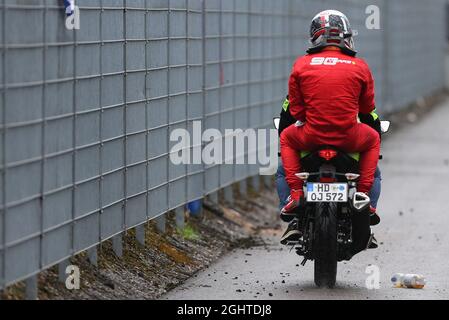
<point x="327" y="192"/>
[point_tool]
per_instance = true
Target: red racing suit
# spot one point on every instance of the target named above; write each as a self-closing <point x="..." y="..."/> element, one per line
<point x="327" y="91"/>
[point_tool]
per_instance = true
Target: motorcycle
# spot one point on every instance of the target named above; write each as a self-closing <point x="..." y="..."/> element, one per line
<point x="334" y="220"/>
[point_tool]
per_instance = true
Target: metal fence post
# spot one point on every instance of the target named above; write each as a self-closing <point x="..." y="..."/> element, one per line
<point x="140" y="234"/>
<point x="268" y="182"/>
<point x="62" y="267"/>
<point x="119" y="242"/>
<point x="43" y="139"/>
<point x="117" y="245"/>
<point x="92" y="256"/>
<point x="3" y="158"/>
<point x="31" y="288"/>
<point x="213" y="197"/>
<point x="243" y="187"/>
<point x="92" y="253"/>
<point x="161" y="223"/>
<point x="256" y="183"/>
<point x="180" y="219"/>
<point x="229" y="195"/>
<point x="74" y="152"/>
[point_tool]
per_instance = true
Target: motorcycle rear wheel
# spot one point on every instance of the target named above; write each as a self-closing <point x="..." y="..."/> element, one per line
<point x="325" y="245"/>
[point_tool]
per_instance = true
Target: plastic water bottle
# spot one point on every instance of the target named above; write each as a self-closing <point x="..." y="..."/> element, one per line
<point x="411" y="281"/>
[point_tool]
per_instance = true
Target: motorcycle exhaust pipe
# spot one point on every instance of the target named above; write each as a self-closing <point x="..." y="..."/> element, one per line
<point x="360" y="201"/>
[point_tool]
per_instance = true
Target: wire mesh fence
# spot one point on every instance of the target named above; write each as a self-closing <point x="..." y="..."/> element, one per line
<point x="86" y="114"/>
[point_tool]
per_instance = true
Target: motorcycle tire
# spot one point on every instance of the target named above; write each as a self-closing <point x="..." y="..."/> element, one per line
<point x="325" y="245"/>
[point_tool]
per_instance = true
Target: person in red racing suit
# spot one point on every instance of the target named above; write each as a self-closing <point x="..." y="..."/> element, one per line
<point x="328" y="88"/>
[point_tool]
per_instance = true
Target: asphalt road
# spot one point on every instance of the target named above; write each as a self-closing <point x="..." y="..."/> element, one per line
<point x="413" y="234"/>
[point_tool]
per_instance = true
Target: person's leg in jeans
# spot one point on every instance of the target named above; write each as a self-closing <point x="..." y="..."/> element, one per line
<point x="376" y="189"/>
<point x="282" y="187"/>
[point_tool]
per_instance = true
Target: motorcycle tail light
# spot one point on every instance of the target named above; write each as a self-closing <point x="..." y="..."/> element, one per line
<point x="327" y="154"/>
<point x="327" y="180"/>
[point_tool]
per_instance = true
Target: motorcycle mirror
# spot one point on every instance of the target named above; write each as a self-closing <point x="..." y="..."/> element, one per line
<point x="385" y="126"/>
<point x="277" y="122"/>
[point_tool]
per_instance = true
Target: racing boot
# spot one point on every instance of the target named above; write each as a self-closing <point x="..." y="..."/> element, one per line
<point x="291" y="210"/>
<point x="373" y="216"/>
<point x="293" y="233"/>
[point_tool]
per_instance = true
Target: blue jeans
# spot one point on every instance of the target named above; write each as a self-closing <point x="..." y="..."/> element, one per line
<point x="284" y="190"/>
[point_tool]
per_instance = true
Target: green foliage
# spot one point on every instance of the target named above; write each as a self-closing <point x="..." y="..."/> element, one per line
<point x="189" y="233"/>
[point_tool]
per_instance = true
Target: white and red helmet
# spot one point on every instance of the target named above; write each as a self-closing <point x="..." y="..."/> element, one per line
<point x="331" y="28"/>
